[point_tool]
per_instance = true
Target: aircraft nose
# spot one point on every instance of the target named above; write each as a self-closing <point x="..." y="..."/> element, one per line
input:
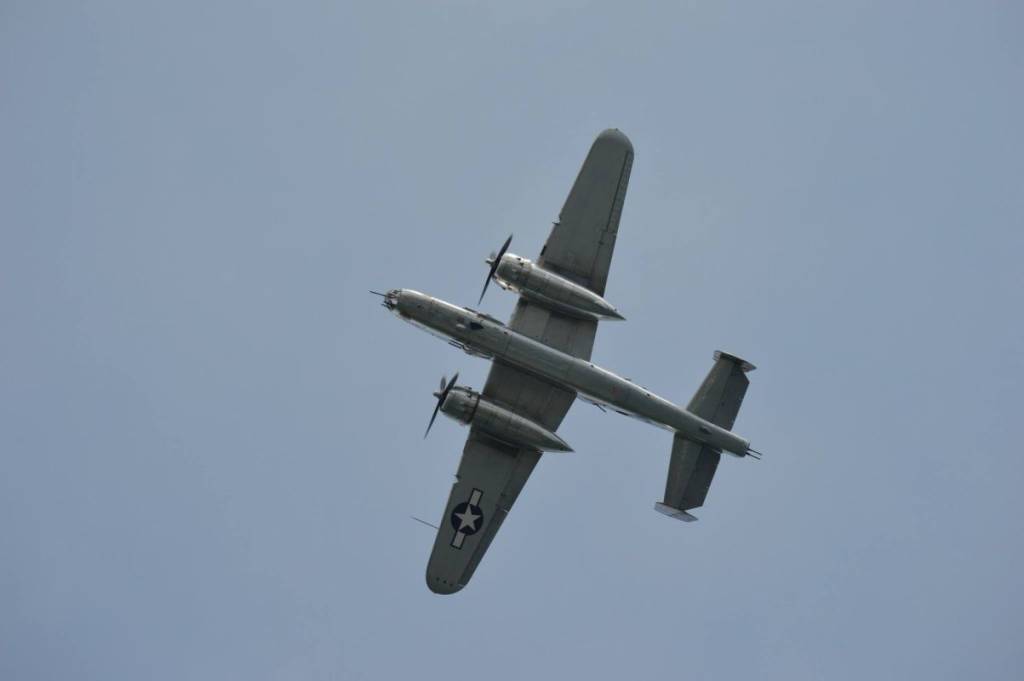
<point x="391" y="298"/>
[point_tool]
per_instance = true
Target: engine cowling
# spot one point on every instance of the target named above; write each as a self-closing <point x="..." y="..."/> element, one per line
<point x="469" y="407"/>
<point x="551" y="290"/>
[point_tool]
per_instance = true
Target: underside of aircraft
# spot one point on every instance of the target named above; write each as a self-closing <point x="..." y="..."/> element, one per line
<point x="541" y="363"/>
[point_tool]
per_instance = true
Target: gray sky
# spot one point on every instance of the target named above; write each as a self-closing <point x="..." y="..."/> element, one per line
<point x="211" y="435"/>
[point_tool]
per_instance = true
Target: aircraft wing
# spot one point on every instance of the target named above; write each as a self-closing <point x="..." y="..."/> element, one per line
<point x="490" y="477"/>
<point x="492" y="474"/>
<point x="581" y="243"/>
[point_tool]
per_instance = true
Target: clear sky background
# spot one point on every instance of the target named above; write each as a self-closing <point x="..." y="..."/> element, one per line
<point x="211" y="434"/>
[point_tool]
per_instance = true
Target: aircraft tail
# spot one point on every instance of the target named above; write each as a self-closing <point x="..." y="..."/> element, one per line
<point x="693" y="464"/>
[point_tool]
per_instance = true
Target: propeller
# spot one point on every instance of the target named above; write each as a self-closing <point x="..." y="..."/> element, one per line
<point x="441" y="394"/>
<point x="494" y="261"/>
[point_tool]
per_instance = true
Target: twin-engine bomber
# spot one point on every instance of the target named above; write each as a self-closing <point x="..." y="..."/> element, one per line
<point x="541" y="363"/>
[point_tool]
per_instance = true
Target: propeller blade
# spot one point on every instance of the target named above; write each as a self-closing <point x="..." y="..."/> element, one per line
<point x="433" y="416"/>
<point x="444" y="390"/>
<point x="494" y="261"/>
<point x="487" y="283"/>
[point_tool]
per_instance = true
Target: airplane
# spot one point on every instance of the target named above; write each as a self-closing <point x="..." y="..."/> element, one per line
<point x="541" y="363"/>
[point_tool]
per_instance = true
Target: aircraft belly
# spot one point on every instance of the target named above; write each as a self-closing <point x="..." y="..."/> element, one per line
<point x="551" y="365"/>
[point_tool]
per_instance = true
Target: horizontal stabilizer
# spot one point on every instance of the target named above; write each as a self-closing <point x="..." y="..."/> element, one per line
<point x="690" y="471"/>
<point x="720" y="395"/>
<point x="693" y="464"/>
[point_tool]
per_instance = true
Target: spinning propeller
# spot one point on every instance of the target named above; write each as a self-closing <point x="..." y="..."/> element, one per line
<point x="441" y="394"/>
<point x="494" y="261"/>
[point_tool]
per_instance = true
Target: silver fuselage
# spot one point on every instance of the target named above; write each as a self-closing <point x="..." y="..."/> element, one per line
<point x="484" y="336"/>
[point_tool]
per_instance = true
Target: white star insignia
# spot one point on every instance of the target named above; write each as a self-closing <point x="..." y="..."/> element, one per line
<point x="467" y="519"/>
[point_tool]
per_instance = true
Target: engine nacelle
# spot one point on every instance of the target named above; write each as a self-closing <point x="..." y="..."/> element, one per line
<point x="469" y="407"/>
<point x="552" y="290"/>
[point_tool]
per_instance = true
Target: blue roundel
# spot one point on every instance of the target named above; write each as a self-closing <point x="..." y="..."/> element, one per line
<point x="467" y="518"/>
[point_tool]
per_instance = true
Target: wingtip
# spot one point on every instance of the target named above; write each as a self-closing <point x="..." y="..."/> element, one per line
<point x="743" y="364"/>
<point x="442" y="587"/>
<point x="615" y="136"/>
